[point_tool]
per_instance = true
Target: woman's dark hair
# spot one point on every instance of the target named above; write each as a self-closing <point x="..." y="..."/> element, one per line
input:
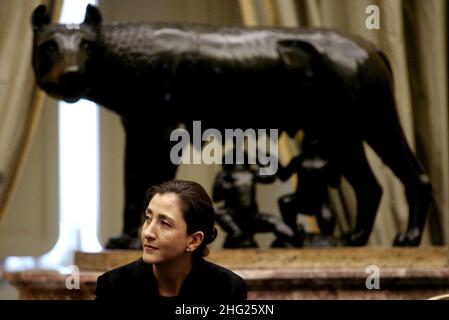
<point x="196" y="206"/>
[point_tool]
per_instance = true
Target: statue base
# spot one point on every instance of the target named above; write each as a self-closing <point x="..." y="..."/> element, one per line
<point x="334" y="273"/>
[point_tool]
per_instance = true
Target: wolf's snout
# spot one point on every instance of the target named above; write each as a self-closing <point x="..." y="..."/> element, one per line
<point x="70" y="77"/>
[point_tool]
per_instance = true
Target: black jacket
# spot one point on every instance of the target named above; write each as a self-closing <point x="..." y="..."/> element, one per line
<point x="207" y="282"/>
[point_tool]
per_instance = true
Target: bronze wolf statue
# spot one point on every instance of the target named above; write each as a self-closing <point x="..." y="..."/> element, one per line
<point x="155" y="76"/>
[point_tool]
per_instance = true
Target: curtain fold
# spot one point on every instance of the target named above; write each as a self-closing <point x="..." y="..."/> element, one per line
<point x="21" y="100"/>
<point x="426" y="27"/>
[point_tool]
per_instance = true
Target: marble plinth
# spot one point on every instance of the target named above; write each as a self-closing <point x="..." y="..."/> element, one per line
<point x="52" y="285"/>
<point x="338" y="273"/>
<point x="289" y="258"/>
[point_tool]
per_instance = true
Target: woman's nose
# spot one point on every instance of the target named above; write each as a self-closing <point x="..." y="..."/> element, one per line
<point x="149" y="231"/>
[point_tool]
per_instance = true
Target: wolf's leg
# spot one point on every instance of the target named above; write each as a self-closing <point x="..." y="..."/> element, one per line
<point x="355" y="168"/>
<point x="147" y="163"/>
<point x="395" y="152"/>
<point x="384" y="134"/>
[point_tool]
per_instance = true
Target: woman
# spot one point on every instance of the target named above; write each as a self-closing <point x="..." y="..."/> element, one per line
<point x="179" y="224"/>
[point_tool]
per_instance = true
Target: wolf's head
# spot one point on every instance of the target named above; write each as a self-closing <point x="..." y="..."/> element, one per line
<point x="62" y="53"/>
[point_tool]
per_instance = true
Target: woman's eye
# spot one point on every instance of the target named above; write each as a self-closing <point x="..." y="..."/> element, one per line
<point x="165" y="224"/>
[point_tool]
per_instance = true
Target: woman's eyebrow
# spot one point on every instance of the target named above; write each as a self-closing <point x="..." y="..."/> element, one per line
<point x="163" y="216"/>
<point x="160" y="215"/>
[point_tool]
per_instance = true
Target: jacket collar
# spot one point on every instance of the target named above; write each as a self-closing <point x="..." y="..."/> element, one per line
<point x="146" y="285"/>
<point x="143" y="279"/>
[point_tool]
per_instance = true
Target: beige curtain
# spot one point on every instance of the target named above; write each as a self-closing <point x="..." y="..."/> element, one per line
<point x="20" y="99"/>
<point x="413" y="34"/>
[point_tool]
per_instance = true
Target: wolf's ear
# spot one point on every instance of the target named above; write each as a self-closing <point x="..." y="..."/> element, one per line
<point x="93" y="16"/>
<point x="40" y="17"/>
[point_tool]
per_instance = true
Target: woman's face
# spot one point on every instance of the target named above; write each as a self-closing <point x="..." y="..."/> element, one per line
<point x="164" y="232"/>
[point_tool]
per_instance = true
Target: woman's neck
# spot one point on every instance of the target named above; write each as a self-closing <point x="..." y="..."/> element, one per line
<point x="171" y="275"/>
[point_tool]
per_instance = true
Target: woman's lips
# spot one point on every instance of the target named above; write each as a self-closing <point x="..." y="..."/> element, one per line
<point x="150" y="247"/>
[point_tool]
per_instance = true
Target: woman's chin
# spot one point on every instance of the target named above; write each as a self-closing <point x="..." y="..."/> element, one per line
<point x="149" y="258"/>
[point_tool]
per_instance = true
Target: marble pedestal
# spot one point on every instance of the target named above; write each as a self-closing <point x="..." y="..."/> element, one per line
<point x="337" y="273"/>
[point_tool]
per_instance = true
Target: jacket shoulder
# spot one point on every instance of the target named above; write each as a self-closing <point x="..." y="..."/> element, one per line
<point x="233" y="287"/>
<point x="116" y="281"/>
<point x="122" y="271"/>
<point x="221" y="271"/>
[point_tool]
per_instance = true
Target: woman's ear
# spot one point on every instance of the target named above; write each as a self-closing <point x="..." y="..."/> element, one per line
<point x="195" y="241"/>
